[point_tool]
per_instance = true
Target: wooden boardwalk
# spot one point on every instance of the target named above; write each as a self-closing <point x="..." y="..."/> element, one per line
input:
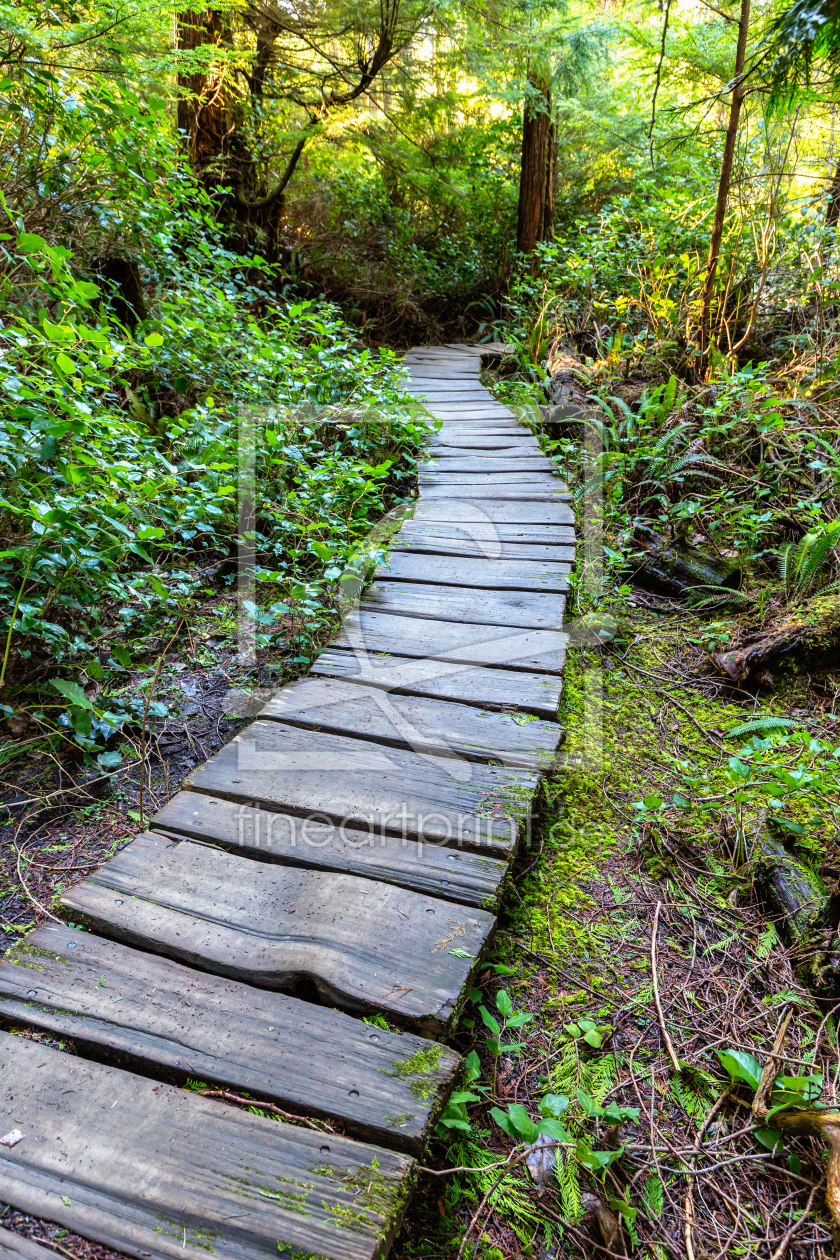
<point x="343" y="857"/>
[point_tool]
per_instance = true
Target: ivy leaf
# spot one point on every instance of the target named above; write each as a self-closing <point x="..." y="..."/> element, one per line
<point x="72" y="692"/>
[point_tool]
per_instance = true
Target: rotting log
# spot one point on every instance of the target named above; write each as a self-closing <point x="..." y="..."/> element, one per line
<point x="810" y="630"/>
<point x="791" y="889"/>
<point x="676" y="570"/>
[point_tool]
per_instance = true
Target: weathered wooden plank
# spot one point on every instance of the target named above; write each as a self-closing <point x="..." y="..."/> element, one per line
<point x="483" y="549"/>
<point x="16" y="1247"/>
<point x="525" y="493"/>
<point x="381" y="1086"/>
<point x="362" y="946"/>
<point x="274" y="837"/>
<point x="530" y="610"/>
<point x="523" y="691"/>
<point x="490" y="575"/>
<point x="422" y="724"/>
<point x="473" y="643"/>
<point x="517" y="513"/>
<point x="313" y="774"/>
<point x="490" y="533"/>
<point x="160" y="1173"/>
<point x="536" y="479"/>
<point x="449" y="466"/>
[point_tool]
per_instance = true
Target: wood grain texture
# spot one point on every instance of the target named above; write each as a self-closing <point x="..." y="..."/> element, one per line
<point x="523" y="691"/>
<point x="442" y="477"/>
<point x="158" y="1173"/>
<point x="311" y="1061"/>
<point x="419" y="723"/>
<point x="519" y="464"/>
<point x="435" y="544"/>
<point x="371" y="633"/>
<point x="487" y="575"/>
<point x="490" y="510"/>
<point x="313" y="774"/>
<point x="362" y="946"/>
<point x="530" y="610"/>
<point x="492" y="535"/>
<point x="529" y="493"/>
<point x="16" y="1247"/>
<point x="254" y="832"/>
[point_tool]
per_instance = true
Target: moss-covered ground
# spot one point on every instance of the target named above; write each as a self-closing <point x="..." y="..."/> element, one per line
<point x="653" y="813"/>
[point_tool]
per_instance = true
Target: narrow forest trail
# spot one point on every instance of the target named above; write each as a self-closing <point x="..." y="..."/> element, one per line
<point x="342" y="857"/>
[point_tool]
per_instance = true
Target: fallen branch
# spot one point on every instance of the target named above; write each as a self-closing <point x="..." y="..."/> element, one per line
<point x="665" y="1034"/>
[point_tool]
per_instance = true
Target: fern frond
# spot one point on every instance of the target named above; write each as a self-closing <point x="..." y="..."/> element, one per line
<point x="762" y="724"/>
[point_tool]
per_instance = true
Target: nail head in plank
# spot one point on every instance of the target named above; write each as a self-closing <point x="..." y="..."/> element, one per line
<point x="382" y="1086"/>
<point x="522" y="691"/>
<point x="364" y="946"/>
<point x="415" y="722"/>
<point x="160" y="1173"/>
<point x="269" y="836"/>
<point x="367" y="786"/>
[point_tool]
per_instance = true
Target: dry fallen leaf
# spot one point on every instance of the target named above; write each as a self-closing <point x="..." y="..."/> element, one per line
<point x="12" y="1139"/>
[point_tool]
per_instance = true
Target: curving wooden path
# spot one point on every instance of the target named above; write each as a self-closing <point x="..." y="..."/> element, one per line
<point x="342" y="858"/>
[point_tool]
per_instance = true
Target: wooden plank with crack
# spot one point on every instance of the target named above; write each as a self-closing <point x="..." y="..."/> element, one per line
<point x="492" y="511"/>
<point x="513" y="690"/>
<point x="381" y="1086"/>
<point x="418" y="723"/>
<point x="413" y="796"/>
<point x="486" y="575"/>
<point x="159" y="1173"/>
<point x="269" y="836"/>
<point x="370" y="634"/>
<point x="360" y="945"/>
<point x="531" y="610"/>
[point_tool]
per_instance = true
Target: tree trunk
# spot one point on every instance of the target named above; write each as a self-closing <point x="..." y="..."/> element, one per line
<point x="202" y="117"/>
<point x="832" y="214"/>
<point x="738" y="93"/>
<point x="535" y="214"/>
<point x="677" y="570"/>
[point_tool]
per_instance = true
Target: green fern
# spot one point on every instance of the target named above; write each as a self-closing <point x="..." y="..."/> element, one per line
<point x="762" y="724"/>
<point x="566" y="1176"/>
<point x="800" y="563"/>
<point x="653" y="1195"/>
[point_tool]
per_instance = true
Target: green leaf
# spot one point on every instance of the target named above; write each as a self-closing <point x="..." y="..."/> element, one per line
<point x="108" y="760"/>
<point x="769" y="1138"/>
<point x="593" y="1038"/>
<point x="67" y="1202"/>
<point x="150" y="531"/>
<point x="489" y="1020"/>
<point x="741" y="1066"/>
<point x="504" y="1004"/>
<point x="574" y="1030"/>
<point x="66" y="364"/>
<point x="30" y="243"/>
<point x="321" y="550"/>
<point x="553" y="1104"/>
<point x="122" y="656"/>
<point x="517" y="1020"/>
<point x="153" y="340"/>
<point x="472" y="1067"/>
<point x="552" y="1129"/>
<point x="72" y="692"/>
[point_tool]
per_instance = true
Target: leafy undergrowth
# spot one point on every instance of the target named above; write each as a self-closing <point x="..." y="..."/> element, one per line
<point x="652" y="817"/>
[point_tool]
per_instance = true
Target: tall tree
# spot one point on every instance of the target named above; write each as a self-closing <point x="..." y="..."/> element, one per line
<point x="201" y="85"/>
<point x="736" y="102"/>
<point x="538" y="170"/>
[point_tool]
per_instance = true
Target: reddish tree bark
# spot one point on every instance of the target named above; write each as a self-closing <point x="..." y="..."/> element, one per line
<point x="535" y="214"/>
<point x="201" y="106"/>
